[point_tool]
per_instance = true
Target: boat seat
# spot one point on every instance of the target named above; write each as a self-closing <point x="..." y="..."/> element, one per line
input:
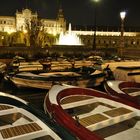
<point x="19" y="130"/>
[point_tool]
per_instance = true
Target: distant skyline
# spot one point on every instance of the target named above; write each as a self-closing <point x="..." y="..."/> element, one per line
<point x="79" y="12"/>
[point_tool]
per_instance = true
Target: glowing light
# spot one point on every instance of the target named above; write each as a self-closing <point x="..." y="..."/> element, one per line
<point x="95" y="0"/>
<point x="122" y="15"/>
<point x="69" y="38"/>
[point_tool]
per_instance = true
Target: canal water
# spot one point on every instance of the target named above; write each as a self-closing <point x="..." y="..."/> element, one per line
<point x="31" y="95"/>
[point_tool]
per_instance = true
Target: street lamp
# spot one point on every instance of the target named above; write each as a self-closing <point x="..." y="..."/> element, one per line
<point x="122" y="16"/>
<point x="95" y="18"/>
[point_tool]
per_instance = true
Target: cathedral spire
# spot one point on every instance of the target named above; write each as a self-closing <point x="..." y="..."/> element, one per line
<point x="60" y="13"/>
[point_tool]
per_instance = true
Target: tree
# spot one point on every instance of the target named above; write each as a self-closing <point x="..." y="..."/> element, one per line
<point x="33" y="28"/>
<point x="4" y="39"/>
<point x="16" y="38"/>
<point x="37" y="35"/>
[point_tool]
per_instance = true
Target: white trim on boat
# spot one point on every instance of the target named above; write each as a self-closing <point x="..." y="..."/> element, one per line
<point x="14" y="97"/>
<point x="26" y="119"/>
<point x="114" y="85"/>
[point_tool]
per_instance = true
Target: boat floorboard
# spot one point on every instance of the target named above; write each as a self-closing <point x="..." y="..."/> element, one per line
<point x="117" y="112"/>
<point x="97" y="118"/>
<point x="47" y="137"/>
<point x="19" y="130"/>
<point x="11" y="118"/>
<point x="117" y="128"/>
<point x="5" y="107"/>
<point x="76" y="98"/>
<point x="87" y="121"/>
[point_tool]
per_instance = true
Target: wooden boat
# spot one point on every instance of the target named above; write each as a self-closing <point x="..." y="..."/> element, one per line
<point x="30" y="66"/>
<point x="123" y="89"/>
<point x="3" y="67"/>
<point x="93" y="115"/>
<point x="19" y="120"/>
<point x="16" y="62"/>
<point x="46" y="80"/>
<point x="23" y="66"/>
<point x="127" y="73"/>
<point x="43" y="80"/>
<point x="74" y="66"/>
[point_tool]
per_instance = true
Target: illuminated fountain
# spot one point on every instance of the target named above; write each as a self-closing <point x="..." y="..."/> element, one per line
<point x="69" y="38"/>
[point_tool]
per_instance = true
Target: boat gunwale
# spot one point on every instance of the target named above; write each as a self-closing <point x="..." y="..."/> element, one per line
<point x="118" y="92"/>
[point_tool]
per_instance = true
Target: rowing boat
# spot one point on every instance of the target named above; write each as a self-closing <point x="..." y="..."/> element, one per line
<point x="47" y="79"/>
<point x="19" y="120"/>
<point x="92" y="114"/>
<point x="124" y="89"/>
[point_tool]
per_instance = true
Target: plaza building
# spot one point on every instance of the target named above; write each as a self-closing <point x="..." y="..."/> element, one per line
<point x="104" y="38"/>
<point x="109" y="39"/>
<point x="7" y="24"/>
<point x="16" y="23"/>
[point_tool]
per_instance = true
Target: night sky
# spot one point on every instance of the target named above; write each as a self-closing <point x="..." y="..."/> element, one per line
<point x="79" y="12"/>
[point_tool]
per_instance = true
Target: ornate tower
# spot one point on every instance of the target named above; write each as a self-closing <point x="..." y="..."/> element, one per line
<point x="61" y="19"/>
<point x="23" y="17"/>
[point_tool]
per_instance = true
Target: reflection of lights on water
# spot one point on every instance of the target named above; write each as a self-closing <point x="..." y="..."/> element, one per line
<point x="69" y="38"/>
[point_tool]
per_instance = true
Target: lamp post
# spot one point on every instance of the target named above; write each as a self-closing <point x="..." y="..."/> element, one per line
<point x="122" y="16"/>
<point x="95" y="18"/>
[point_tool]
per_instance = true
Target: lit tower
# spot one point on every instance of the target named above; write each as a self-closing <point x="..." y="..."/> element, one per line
<point x="61" y="20"/>
<point x="121" y="47"/>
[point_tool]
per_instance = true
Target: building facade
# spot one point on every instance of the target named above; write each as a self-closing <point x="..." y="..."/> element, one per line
<point x="22" y="17"/>
<point x="109" y="39"/>
<point x="104" y="39"/>
<point x="11" y="24"/>
<point x="7" y="24"/>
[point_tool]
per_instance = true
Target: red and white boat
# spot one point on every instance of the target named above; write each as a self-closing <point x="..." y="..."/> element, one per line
<point x="124" y="89"/>
<point x="93" y="115"/>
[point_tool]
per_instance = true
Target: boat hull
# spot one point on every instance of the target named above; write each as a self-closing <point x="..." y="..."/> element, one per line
<point x="85" y="111"/>
<point x="45" y="81"/>
<point x="21" y="120"/>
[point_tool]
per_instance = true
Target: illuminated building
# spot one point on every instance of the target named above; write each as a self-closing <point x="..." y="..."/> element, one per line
<point x="104" y="39"/>
<point x="7" y="24"/>
<point x="18" y="23"/>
